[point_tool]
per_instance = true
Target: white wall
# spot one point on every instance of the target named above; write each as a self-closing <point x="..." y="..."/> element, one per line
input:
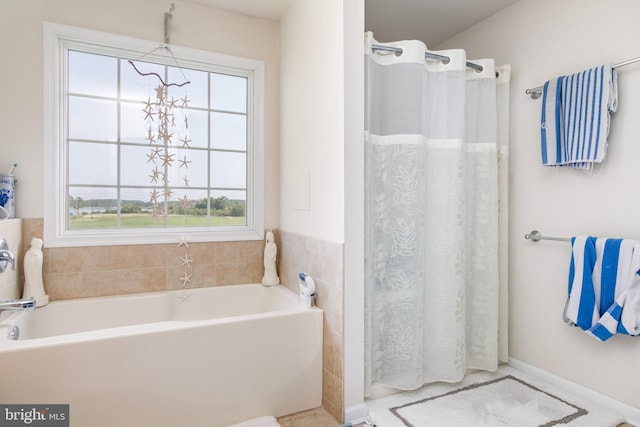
<point x="312" y="119"/>
<point x="542" y="39"/>
<point x="354" y="211"/>
<point x="192" y="26"/>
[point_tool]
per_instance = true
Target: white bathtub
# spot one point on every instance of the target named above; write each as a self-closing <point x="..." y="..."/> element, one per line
<point x="202" y="357"/>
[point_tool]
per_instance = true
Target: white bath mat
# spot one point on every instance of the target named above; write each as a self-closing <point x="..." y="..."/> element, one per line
<point x="505" y="398"/>
<point x="259" y="422"/>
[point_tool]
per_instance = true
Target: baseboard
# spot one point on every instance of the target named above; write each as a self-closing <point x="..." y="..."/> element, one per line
<point x="356" y="414"/>
<point x="631" y="414"/>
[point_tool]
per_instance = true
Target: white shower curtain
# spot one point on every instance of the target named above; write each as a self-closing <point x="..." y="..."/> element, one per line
<point x="435" y="216"/>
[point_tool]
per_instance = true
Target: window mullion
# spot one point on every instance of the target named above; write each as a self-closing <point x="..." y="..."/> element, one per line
<point x="119" y="149"/>
<point x="209" y="137"/>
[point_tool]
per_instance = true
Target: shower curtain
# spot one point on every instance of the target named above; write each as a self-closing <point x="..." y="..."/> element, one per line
<point x="435" y="216"/>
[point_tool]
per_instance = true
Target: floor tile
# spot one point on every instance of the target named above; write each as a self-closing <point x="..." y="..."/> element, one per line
<point x="313" y="418"/>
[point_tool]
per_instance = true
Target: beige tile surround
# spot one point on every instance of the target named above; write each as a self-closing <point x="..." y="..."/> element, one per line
<point x="324" y="261"/>
<point x="111" y="270"/>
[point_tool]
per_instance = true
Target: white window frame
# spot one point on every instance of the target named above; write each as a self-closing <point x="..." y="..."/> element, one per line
<point x="57" y="39"/>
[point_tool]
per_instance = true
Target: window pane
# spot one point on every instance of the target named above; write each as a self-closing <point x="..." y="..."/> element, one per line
<point x="92" y="74"/>
<point x="228" y="93"/>
<point x="228" y="208"/>
<point x="137" y="211"/>
<point x="92" y="164"/>
<point x="92" y="208"/>
<point x="198" y="129"/>
<point x="137" y="87"/>
<point x="228" y="131"/>
<point x="132" y="123"/>
<point x="195" y="92"/>
<point x="92" y="119"/>
<point x="188" y="210"/>
<point x="137" y="169"/>
<point x="228" y="170"/>
<point x="136" y="196"/>
<point x="189" y="169"/>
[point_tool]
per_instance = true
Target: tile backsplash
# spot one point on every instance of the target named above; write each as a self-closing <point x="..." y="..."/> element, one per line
<point x="324" y="261"/>
<point x="111" y="270"/>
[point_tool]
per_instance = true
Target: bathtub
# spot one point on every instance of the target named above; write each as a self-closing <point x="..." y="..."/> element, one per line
<point x="205" y="357"/>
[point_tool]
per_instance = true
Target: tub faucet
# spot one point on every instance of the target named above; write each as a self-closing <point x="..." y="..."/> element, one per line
<point x="6" y="256"/>
<point x="18" y="304"/>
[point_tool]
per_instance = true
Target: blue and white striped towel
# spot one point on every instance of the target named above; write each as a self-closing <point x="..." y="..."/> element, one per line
<point x="575" y="117"/>
<point x="604" y="286"/>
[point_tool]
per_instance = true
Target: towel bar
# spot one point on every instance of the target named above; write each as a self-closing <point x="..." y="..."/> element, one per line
<point x="536" y="92"/>
<point x="536" y="236"/>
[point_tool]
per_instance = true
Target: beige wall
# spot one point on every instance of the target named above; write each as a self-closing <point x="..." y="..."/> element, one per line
<point x="312" y="120"/>
<point x="312" y="150"/>
<point x="192" y="26"/>
<point x="542" y="39"/>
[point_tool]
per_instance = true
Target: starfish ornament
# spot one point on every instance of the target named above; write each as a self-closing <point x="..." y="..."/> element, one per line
<point x="183" y="242"/>
<point x="186" y="261"/>
<point x="151" y="157"/>
<point x="147" y="105"/>
<point x="186" y="279"/>
<point x="160" y="93"/>
<point x="155" y="175"/>
<point x="167" y="159"/>
<point x="150" y="136"/>
<point x="153" y="196"/>
<point x="164" y="114"/>
<point x="184" y="162"/>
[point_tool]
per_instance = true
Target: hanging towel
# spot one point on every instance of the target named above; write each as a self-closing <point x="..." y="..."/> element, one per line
<point x="575" y="117"/>
<point x="604" y="286"/>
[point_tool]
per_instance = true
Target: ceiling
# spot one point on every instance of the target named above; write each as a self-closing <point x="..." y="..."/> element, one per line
<point x="432" y="21"/>
<point x="265" y="9"/>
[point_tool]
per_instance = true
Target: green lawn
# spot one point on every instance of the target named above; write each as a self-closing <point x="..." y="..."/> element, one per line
<point x="97" y="221"/>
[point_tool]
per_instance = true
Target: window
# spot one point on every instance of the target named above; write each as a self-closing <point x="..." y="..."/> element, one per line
<point x="149" y="143"/>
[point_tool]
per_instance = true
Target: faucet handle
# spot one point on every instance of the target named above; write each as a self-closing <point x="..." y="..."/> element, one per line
<point x="6" y="256"/>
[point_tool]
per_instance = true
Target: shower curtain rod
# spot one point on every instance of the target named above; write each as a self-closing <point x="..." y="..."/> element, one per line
<point x="536" y="92"/>
<point x="442" y="58"/>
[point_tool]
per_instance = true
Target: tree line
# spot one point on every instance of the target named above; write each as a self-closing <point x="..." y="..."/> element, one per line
<point x="218" y="206"/>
